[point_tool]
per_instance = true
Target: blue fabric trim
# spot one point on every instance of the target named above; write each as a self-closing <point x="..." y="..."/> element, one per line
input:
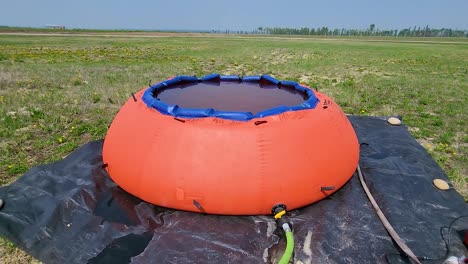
<point x="273" y="111"/>
<point x="251" y="78"/>
<point x="194" y="112"/>
<point x="172" y="82"/>
<point x="269" y="79"/>
<point x="211" y="77"/>
<point x="232" y="115"/>
<point x="188" y="78"/>
<point x="301" y="88"/>
<point x="230" y="78"/>
<point x="289" y="83"/>
<point x="176" y="111"/>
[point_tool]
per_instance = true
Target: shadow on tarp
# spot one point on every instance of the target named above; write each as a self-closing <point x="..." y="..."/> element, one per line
<point x="71" y="212"/>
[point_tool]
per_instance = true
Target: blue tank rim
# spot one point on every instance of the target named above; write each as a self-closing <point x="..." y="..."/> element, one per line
<point x="174" y="110"/>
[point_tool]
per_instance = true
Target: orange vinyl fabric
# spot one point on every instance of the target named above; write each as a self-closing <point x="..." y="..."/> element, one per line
<point x="229" y="167"/>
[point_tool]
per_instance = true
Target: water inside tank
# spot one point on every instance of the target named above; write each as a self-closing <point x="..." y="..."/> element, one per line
<point x="231" y="96"/>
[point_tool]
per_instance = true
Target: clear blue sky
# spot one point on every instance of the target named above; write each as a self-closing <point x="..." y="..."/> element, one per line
<point x="237" y="14"/>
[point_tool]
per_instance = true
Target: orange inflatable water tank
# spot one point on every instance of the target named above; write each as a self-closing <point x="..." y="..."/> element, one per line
<point x="226" y="159"/>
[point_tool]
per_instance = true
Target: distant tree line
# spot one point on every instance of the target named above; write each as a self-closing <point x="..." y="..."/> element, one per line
<point x="371" y="31"/>
<point x="320" y="31"/>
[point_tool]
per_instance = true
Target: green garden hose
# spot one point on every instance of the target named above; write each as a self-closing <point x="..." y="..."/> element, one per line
<point x="278" y="212"/>
<point x="289" y="245"/>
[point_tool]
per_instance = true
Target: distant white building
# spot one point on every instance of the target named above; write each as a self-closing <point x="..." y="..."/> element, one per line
<point x="55" y="27"/>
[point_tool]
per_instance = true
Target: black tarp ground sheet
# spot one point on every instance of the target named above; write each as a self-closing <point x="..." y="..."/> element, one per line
<point x="71" y="212"/>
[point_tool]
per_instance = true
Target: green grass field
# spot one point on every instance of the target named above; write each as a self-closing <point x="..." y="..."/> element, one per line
<point x="59" y="92"/>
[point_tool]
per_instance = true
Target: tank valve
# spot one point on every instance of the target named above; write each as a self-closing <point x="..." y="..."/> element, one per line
<point x="278" y="212"/>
